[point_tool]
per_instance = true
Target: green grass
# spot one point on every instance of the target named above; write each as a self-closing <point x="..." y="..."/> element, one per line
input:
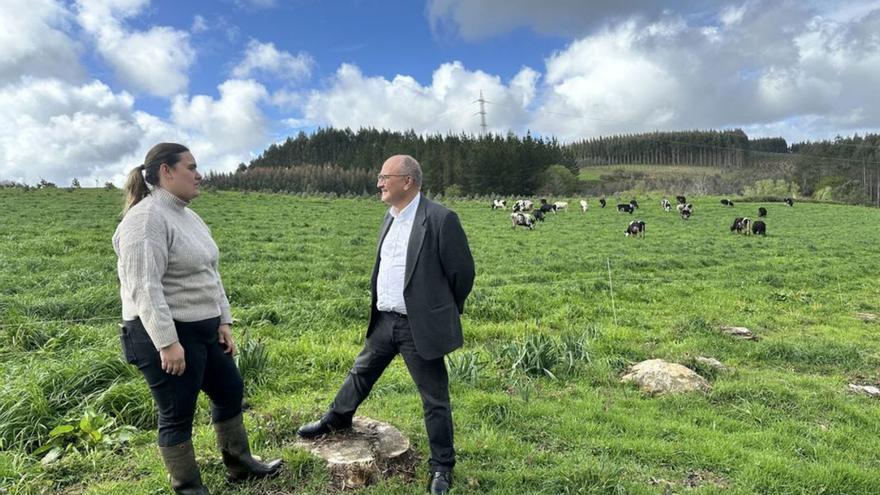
<point x="594" y="173"/>
<point x="296" y="271"/>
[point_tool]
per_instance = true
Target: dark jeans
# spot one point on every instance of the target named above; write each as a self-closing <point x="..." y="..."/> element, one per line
<point x="391" y="336"/>
<point x="208" y="368"/>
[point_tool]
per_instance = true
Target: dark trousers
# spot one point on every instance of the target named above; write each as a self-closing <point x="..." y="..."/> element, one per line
<point x="208" y="368"/>
<point x="391" y="336"/>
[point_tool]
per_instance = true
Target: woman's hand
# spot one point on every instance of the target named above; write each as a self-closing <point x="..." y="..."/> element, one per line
<point x="224" y="334"/>
<point x="173" y="361"/>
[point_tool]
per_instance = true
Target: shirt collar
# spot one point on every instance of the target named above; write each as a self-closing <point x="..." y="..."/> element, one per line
<point x="408" y="211"/>
<point x="168" y="199"/>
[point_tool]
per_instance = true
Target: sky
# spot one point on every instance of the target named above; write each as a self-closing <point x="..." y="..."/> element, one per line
<point x="88" y="86"/>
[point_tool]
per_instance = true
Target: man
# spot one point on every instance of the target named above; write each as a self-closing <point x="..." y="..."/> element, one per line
<point x="423" y="273"/>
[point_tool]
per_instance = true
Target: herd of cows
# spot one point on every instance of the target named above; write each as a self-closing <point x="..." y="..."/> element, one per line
<point x="526" y="214"/>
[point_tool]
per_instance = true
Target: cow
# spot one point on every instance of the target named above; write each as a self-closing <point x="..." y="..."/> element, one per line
<point x="666" y="205"/>
<point x="539" y="215"/>
<point x="625" y="208"/>
<point x="524" y="219"/>
<point x="584" y="206"/>
<point x="602" y="203"/>
<point x="547" y="208"/>
<point x="788" y="201"/>
<point x="727" y="202"/>
<point x="634" y="204"/>
<point x="762" y="212"/>
<point x="635" y="228"/>
<point x="681" y="200"/>
<point x="499" y="204"/>
<point x="523" y="205"/>
<point x="560" y="205"/>
<point x="685" y="210"/>
<point x="759" y="227"/>
<point x="741" y="225"/>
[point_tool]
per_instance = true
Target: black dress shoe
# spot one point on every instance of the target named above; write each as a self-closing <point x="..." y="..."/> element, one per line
<point x="320" y="427"/>
<point x="440" y="482"/>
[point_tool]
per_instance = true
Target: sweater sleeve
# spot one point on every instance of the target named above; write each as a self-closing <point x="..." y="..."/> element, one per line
<point x="143" y="256"/>
<point x="225" y="309"/>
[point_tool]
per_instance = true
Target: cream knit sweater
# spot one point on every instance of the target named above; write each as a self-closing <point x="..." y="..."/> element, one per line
<point x="167" y="263"/>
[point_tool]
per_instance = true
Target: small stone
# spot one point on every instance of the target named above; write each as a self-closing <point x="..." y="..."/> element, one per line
<point x="739" y="332"/>
<point x="657" y="376"/>
<point x="712" y="363"/>
<point x="869" y="390"/>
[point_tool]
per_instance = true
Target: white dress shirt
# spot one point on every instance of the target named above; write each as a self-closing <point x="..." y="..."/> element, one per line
<point x="392" y="259"/>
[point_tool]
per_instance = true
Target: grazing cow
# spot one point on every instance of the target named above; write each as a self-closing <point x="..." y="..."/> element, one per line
<point x="681" y="200"/>
<point x="738" y="225"/>
<point x="762" y="212"/>
<point x="499" y="204"/>
<point x="634" y="203"/>
<point x="666" y="204"/>
<point x="625" y="208"/>
<point x="759" y="227"/>
<point x="788" y="201"/>
<point x="539" y="215"/>
<point x="560" y="205"/>
<point x="635" y="228"/>
<point x="547" y="208"/>
<point x="727" y="202"/>
<point x="584" y="206"/>
<point x="602" y="203"/>
<point x="523" y="205"/>
<point x="685" y="210"/>
<point x="524" y="219"/>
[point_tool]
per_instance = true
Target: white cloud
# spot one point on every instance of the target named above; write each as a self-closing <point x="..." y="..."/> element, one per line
<point x="447" y="104"/>
<point x="199" y="25"/>
<point x="56" y="130"/>
<point x="34" y="41"/>
<point x="265" y="59"/>
<point x="155" y="61"/>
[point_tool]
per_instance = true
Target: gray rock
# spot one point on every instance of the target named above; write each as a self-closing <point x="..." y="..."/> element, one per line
<point x="657" y="376"/>
<point x="712" y="362"/>
<point x="869" y="390"/>
<point x="739" y="332"/>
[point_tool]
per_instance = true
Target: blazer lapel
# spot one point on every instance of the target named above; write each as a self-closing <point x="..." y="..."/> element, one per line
<point x="416" y="238"/>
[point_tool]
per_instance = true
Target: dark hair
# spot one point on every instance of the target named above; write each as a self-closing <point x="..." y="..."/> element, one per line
<point x="136" y="185"/>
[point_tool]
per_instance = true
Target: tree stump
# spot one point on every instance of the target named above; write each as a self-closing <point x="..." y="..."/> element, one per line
<point x="360" y="456"/>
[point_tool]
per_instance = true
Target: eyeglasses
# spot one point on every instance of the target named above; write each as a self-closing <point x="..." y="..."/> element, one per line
<point x="384" y="177"/>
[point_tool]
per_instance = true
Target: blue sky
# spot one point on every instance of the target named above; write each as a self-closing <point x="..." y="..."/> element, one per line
<point x="87" y="86"/>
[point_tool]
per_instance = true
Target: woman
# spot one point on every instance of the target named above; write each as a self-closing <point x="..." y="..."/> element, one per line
<point x="176" y="327"/>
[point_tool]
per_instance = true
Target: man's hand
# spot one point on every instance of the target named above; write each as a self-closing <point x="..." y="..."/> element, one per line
<point x="173" y="361"/>
<point x="224" y="334"/>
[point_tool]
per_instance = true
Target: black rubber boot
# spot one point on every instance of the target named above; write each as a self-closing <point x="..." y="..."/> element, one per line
<point x="240" y="464"/>
<point x="180" y="461"/>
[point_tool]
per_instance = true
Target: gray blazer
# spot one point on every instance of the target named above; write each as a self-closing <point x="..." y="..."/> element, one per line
<point x="439" y="276"/>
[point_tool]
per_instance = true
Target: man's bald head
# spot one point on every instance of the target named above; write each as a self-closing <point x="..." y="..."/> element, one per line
<point x="406" y="165"/>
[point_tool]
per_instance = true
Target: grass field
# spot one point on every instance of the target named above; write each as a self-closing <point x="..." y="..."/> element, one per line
<point x="574" y="296"/>
<point x="594" y="173"/>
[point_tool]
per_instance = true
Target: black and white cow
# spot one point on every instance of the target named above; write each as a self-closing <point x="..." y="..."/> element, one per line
<point x="681" y="200"/>
<point x="635" y="228"/>
<point x="666" y="205"/>
<point x="727" y="202"/>
<point x="759" y="227"/>
<point x="499" y="204"/>
<point x="523" y="205"/>
<point x="584" y="206"/>
<point x="685" y="210"/>
<point x="524" y="219"/>
<point x="788" y="201"/>
<point x="560" y="205"/>
<point x="602" y="203"/>
<point x="625" y="208"/>
<point x="762" y="212"/>
<point x="741" y="225"/>
<point x="634" y="203"/>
